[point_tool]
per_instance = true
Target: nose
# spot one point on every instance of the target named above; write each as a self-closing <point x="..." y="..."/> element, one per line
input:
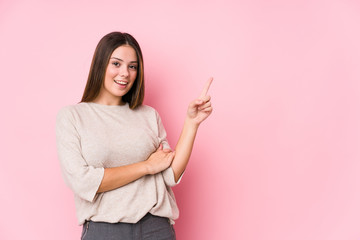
<point x="124" y="71"/>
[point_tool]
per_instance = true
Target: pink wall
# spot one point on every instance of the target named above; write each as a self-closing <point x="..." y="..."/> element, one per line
<point x="277" y="160"/>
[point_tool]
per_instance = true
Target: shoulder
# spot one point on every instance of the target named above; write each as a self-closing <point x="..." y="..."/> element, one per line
<point x="149" y="112"/>
<point x="146" y="110"/>
<point x="71" y="111"/>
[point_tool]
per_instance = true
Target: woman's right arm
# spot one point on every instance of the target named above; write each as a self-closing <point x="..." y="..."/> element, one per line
<point x="119" y="176"/>
<point x="85" y="180"/>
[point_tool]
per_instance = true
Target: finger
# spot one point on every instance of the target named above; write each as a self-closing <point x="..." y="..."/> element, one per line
<point x="208" y="109"/>
<point x="171" y="156"/>
<point x="206" y="88"/>
<point x="206" y="105"/>
<point x="206" y="99"/>
<point x="196" y="103"/>
<point x="160" y="147"/>
<point x="167" y="150"/>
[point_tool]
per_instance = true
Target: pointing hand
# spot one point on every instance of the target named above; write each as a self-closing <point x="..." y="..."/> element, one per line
<point x="200" y="108"/>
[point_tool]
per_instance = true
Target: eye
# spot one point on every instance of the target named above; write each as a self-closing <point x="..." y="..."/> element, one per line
<point x="116" y="64"/>
<point x="133" y="67"/>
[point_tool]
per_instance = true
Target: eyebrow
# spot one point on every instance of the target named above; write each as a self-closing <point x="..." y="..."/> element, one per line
<point x="123" y="60"/>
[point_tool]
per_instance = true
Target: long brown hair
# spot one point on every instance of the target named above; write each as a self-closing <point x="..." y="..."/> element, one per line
<point x="100" y="61"/>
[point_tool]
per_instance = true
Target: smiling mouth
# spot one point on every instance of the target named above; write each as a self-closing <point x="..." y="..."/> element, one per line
<point x="120" y="82"/>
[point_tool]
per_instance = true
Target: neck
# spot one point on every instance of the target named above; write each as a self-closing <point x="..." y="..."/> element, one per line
<point x="108" y="101"/>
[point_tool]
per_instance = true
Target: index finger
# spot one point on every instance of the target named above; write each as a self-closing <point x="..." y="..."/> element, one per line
<point x="206" y="88"/>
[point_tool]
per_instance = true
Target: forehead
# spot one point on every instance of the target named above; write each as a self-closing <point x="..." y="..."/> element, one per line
<point x="125" y="52"/>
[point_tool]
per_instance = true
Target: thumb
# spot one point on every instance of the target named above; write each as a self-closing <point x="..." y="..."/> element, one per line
<point x="160" y="147"/>
<point x="196" y="103"/>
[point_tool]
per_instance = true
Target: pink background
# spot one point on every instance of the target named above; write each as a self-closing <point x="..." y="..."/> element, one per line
<point x="277" y="160"/>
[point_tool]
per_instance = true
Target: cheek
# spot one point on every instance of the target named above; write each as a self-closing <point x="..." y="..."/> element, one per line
<point x="111" y="73"/>
<point x="133" y="76"/>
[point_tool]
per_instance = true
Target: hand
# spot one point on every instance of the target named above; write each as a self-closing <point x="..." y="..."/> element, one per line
<point x="159" y="160"/>
<point x="200" y="108"/>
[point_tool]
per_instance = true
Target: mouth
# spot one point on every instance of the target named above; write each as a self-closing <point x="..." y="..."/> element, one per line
<point x="121" y="82"/>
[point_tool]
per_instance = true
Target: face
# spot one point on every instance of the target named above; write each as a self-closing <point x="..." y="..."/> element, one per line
<point x="120" y="75"/>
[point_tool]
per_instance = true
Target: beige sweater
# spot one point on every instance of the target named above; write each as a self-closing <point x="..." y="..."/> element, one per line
<point x="91" y="137"/>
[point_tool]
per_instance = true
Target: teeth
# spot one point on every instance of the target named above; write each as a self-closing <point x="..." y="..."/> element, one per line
<point x="120" y="82"/>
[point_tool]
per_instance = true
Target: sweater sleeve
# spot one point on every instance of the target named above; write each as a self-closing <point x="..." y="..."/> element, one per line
<point x="168" y="173"/>
<point x="83" y="180"/>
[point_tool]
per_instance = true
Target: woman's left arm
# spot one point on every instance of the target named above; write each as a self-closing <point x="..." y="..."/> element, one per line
<point x="197" y="112"/>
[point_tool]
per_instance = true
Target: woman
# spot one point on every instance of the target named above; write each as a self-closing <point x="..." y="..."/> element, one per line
<point x="114" y="153"/>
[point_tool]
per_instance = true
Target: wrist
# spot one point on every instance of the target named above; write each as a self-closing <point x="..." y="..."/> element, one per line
<point x="192" y="123"/>
<point x="145" y="167"/>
